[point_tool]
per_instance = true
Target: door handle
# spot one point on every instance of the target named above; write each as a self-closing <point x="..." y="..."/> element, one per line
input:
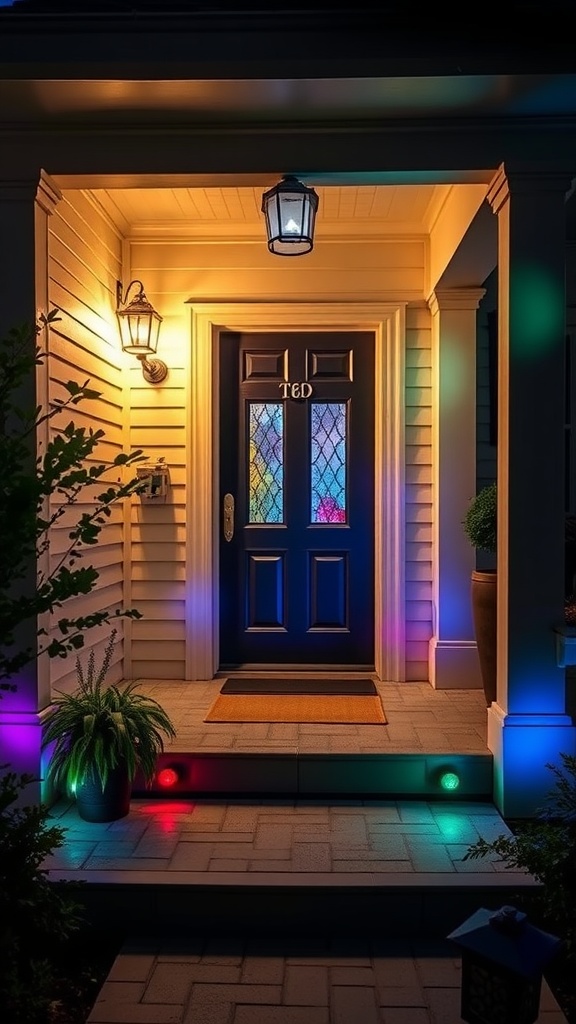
<point x="228" y="517"/>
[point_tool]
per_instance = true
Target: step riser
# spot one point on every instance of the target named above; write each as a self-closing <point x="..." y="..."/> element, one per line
<point x="384" y="912"/>
<point x="301" y="775"/>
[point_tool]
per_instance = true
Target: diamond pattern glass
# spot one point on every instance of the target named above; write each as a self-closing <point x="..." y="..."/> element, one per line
<point x="328" y="428"/>
<point x="266" y="462"/>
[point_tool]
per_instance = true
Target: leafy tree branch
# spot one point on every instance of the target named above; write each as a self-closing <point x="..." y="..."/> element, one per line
<point x="36" y="491"/>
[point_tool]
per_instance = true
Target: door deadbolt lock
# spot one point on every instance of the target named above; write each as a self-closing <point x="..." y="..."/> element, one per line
<point x="228" y="510"/>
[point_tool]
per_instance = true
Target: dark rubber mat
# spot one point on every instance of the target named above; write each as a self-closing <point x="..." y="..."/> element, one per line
<point x="342" y="687"/>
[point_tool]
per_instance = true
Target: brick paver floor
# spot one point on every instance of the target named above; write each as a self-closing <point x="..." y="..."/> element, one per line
<point x="322" y="982"/>
<point x="307" y="837"/>
<point x="420" y="719"/>
<point x="187" y="979"/>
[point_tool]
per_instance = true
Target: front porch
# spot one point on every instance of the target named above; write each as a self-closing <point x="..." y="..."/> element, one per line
<point x="405" y="279"/>
<point x="428" y="731"/>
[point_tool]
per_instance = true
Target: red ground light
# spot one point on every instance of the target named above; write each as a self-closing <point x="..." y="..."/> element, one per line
<point x="167" y="778"/>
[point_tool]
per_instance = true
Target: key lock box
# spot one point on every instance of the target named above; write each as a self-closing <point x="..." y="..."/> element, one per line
<point x="155" y="480"/>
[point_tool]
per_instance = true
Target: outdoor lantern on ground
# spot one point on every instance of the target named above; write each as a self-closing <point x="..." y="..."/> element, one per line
<point x="503" y="957"/>
<point x="290" y="211"/>
<point x="139" y="325"/>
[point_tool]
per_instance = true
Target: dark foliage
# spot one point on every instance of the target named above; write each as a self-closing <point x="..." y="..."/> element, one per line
<point x="35" y="494"/>
<point x="37" y="917"/>
<point x="546" y="847"/>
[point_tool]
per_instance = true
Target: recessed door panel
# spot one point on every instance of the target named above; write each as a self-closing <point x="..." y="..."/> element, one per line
<point x="329" y="365"/>
<point x="328" y="591"/>
<point x="265" y="591"/>
<point x="264" y="365"/>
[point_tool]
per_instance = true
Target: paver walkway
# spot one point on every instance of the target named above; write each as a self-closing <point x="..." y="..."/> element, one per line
<point x="186" y="978"/>
<point x="270" y="983"/>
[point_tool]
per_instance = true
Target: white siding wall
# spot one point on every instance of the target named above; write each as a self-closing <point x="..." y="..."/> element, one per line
<point x="175" y="273"/>
<point x="485" y="451"/>
<point x="84" y="264"/>
<point x="419" y="497"/>
<point x="158" y="552"/>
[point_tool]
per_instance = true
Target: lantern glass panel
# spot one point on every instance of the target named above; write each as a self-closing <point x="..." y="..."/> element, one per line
<point x="290" y="214"/>
<point x="492" y="995"/>
<point x="139" y="332"/>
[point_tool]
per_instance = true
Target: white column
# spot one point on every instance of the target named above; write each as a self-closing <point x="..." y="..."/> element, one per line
<point x="25" y="206"/>
<point x="453" y="658"/>
<point x="527" y="725"/>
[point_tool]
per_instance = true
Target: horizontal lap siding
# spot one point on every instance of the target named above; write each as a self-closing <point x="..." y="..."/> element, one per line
<point x="84" y="264"/>
<point x="485" y="381"/>
<point x="356" y="270"/>
<point x="419" y="507"/>
<point x="174" y="274"/>
<point x="158" y="549"/>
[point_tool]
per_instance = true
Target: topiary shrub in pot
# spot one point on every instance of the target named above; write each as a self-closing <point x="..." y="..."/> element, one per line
<point x="480" y="526"/>
<point x="102" y="735"/>
<point x="480" y="521"/>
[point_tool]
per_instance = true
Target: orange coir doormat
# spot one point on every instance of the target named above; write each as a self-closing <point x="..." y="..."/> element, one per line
<point x="333" y="709"/>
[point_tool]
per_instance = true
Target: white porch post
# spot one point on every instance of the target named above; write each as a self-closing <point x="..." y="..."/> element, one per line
<point x="453" y="658"/>
<point x="24" y="209"/>
<point x="527" y="725"/>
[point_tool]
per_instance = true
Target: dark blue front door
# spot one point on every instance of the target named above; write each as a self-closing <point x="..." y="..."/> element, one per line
<point x="297" y="498"/>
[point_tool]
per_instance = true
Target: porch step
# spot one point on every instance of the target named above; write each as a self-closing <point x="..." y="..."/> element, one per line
<point x="278" y="866"/>
<point x="339" y="774"/>
<point x="381" y="905"/>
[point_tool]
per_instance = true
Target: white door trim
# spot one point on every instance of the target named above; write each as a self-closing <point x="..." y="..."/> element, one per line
<point x="203" y="512"/>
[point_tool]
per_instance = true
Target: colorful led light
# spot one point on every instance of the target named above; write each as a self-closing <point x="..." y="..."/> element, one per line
<point x="449" y="781"/>
<point x="167" y="777"/>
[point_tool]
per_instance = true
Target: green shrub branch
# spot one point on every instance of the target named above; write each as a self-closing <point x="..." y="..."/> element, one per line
<point x="29" y="485"/>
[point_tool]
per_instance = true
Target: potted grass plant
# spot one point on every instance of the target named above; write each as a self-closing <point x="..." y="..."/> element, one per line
<point x="102" y="734"/>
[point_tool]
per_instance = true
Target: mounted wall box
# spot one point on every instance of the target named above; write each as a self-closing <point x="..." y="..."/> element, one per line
<point x="155" y="479"/>
<point x="565" y="645"/>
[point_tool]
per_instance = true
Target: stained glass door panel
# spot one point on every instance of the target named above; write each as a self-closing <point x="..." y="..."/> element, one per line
<point x="328" y="435"/>
<point x="265" y="470"/>
<point x="297" y="577"/>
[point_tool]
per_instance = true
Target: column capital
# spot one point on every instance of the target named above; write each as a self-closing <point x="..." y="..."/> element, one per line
<point x="31" y="190"/>
<point x="454" y="298"/>
<point x="508" y="182"/>
<point x="47" y="194"/>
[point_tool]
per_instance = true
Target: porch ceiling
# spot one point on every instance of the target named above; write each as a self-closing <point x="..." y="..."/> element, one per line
<point x="226" y="211"/>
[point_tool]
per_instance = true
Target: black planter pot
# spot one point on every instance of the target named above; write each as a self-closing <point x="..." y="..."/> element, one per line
<point x="108" y="804"/>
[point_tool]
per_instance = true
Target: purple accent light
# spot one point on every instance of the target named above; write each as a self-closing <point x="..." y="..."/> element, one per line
<point x="20" y="748"/>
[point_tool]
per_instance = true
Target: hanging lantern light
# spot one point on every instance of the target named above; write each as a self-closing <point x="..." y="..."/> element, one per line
<point x="139" y="325"/>
<point x="290" y="211"/>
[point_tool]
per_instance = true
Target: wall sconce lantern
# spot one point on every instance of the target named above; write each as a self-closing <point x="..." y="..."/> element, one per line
<point x="139" y="325"/>
<point x="290" y="211"/>
<point x="503" y="957"/>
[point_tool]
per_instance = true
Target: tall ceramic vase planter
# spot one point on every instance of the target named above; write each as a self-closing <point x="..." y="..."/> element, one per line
<point x="483" y="592"/>
<point x="480" y="526"/>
